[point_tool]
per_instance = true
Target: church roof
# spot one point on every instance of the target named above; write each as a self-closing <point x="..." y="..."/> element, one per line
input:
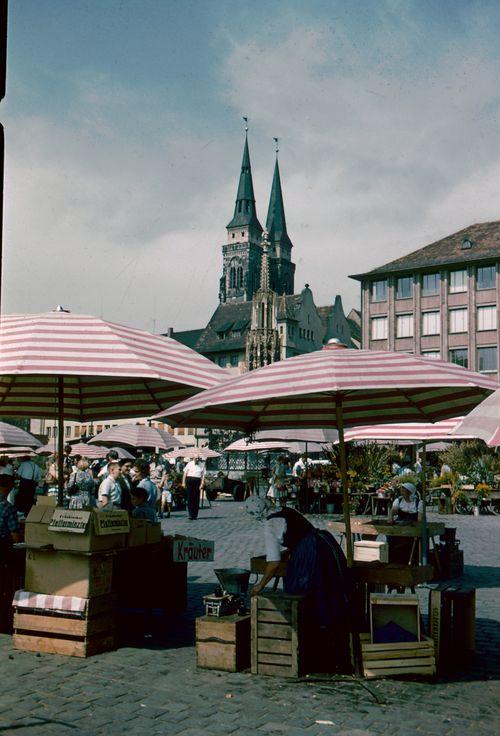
<point x="288" y="305"/>
<point x="276" y="222"/>
<point x="245" y="212"/>
<point x="479" y="242"/>
<point x="226" y="329"/>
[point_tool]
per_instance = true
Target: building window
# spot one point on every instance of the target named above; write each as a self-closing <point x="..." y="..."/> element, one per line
<point x="234" y="360"/>
<point x="487" y="318"/>
<point x="458" y="281"/>
<point x="487" y="359"/>
<point x="404" y="287"/>
<point x="458" y="320"/>
<point x="232" y="278"/>
<point x="430" y="284"/>
<point x="232" y="235"/>
<point x="222" y="361"/>
<point x="106" y="426"/>
<point x="434" y="354"/>
<point x="68" y="431"/>
<point x="379" y="291"/>
<point x="239" y="280"/>
<point x="404" y="325"/>
<point x="77" y="431"/>
<point x="379" y="328"/>
<point x="49" y="432"/>
<point x="242" y="233"/>
<point x="460" y="356"/>
<point x="486" y="276"/>
<point x="431" y="323"/>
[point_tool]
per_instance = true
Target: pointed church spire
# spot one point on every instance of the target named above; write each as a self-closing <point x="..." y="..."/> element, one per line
<point x="264" y="263"/>
<point x="276" y="223"/>
<point x="245" y="213"/>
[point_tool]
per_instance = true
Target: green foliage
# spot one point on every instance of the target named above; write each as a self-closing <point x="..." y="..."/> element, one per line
<point x="473" y="460"/>
<point x="367" y="464"/>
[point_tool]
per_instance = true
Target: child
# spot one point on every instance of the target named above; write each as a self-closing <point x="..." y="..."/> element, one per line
<point x="141" y="510"/>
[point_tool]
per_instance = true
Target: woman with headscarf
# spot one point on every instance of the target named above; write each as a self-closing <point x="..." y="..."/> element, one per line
<point x="316" y="569"/>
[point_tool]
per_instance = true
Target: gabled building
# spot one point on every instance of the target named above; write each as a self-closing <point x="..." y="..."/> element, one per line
<point x="441" y="300"/>
<point x="259" y="318"/>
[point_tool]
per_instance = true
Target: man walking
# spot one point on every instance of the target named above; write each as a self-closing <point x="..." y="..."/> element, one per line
<point x="193" y="481"/>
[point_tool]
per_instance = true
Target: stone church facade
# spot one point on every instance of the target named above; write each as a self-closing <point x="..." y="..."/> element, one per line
<point x="260" y="318"/>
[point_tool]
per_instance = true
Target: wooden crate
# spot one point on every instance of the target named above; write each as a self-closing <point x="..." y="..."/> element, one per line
<point x="403" y="610"/>
<point x="67" y="634"/>
<point x="403" y="658"/>
<point x="371" y="551"/>
<point x="223" y="643"/>
<point x="278" y="628"/>
<point x="452" y="622"/>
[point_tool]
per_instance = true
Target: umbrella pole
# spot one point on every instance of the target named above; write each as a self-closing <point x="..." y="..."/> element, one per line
<point x="424" y="504"/>
<point x="60" y="440"/>
<point x="343" y="476"/>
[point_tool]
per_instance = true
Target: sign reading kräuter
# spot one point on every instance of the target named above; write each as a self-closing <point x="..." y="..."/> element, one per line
<point x="193" y="550"/>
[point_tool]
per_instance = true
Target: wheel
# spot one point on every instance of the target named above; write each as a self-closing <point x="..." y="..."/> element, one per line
<point x="239" y="492"/>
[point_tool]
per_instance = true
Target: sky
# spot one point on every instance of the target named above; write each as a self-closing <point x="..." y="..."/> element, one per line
<point x="124" y="136"/>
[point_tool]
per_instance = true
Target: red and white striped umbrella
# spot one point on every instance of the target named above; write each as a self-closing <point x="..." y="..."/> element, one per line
<point x="413" y="431"/>
<point x="484" y="421"/>
<point x="336" y="387"/>
<point x="92" y="452"/>
<point x="108" y="370"/>
<point x="244" y="446"/>
<point x="17" y="451"/>
<point x="202" y="452"/>
<point x="11" y="436"/>
<point x="369" y="386"/>
<point x="136" y="435"/>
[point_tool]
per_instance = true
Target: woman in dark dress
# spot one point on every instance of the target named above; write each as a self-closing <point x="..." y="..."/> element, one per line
<point x="316" y="569"/>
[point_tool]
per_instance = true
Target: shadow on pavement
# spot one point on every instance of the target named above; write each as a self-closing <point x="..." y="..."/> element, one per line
<point x="482" y="576"/>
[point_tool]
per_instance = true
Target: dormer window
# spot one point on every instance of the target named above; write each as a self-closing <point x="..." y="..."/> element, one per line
<point x="233" y="236"/>
<point x="466" y="243"/>
<point x="242" y="233"/>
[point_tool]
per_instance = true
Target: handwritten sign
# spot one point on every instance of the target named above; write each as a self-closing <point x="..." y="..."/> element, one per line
<point x="193" y="550"/>
<point x="111" y="522"/>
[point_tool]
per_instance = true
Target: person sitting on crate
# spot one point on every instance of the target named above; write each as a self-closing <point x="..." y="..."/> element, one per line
<point x="10" y="529"/>
<point x="316" y="569"/>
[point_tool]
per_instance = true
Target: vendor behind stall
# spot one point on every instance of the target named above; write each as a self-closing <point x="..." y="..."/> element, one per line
<point x="10" y="529"/>
<point x="316" y="569"/>
<point x="406" y="509"/>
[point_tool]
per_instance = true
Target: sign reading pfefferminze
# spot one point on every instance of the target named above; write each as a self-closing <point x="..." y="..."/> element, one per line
<point x="69" y="520"/>
<point x="193" y="550"/>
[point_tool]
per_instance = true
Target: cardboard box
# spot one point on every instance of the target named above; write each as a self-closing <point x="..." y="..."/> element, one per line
<point x="137" y="535"/>
<point x="368" y="551"/>
<point x="46" y="501"/>
<point x="64" y="573"/>
<point x="89" y="531"/>
<point x="153" y="532"/>
<point x="36" y="529"/>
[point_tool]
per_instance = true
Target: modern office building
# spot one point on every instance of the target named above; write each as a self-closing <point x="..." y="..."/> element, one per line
<point x="441" y="300"/>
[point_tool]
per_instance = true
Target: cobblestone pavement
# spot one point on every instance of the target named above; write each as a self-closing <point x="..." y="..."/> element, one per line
<point x="157" y="689"/>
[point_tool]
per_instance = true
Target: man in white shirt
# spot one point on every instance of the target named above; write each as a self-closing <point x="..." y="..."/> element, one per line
<point x="193" y="481"/>
<point x="110" y="492"/>
<point x="299" y="471"/>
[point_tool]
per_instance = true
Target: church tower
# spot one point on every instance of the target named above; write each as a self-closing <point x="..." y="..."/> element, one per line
<point x="242" y="252"/>
<point x="282" y="270"/>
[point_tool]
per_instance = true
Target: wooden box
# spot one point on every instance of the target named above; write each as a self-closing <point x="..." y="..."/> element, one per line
<point x="403" y="658"/>
<point x="371" y="551"/>
<point x="278" y="628"/>
<point x="70" y="634"/>
<point x="452" y="621"/>
<point x="397" y="612"/>
<point x="223" y="643"/>
<point x="65" y="573"/>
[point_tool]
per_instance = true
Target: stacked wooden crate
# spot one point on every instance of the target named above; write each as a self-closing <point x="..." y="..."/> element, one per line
<point x="223" y="643"/>
<point x="68" y="625"/>
<point x="412" y="654"/>
<point x="278" y="630"/>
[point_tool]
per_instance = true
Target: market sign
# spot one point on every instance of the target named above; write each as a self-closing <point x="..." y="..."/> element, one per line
<point x="111" y="522"/>
<point x="193" y="550"/>
<point x="69" y="520"/>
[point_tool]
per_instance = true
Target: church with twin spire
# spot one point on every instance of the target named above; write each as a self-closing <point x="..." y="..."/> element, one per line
<point x="260" y="319"/>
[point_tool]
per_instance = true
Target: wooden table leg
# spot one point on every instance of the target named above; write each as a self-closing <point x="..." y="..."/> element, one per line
<point x="436" y="557"/>
<point x="412" y="549"/>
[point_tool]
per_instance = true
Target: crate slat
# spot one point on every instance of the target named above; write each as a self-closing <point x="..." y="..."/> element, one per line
<point x="413" y="670"/>
<point x="274" y="617"/>
<point x="397" y="654"/>
<point x="274" y="631"/>
<point x="66" y="647"/>
<point x="407" y="662"/>
<point x="268" y="658"/>
<point x="61" y="625"/>
<point x="274" y="646"/>
<point x="276" y="670"/>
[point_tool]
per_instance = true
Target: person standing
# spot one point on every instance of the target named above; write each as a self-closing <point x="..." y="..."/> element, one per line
<point x="193" y="481"/>
<point x="109" y="491"/>
<point x="300" y="472"/>
<point x="29" y="475"/>
<point x="10" y="529"/>
<point x="142" y="480"/>
<point x="125" y="483"/>
<point x="81" y="485"/>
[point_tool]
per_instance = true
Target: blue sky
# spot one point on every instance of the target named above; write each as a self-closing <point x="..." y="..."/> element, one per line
<point x="124" y="139"/>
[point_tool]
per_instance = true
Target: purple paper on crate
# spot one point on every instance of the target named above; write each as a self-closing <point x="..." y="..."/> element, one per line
<point x="392" y="633"/>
